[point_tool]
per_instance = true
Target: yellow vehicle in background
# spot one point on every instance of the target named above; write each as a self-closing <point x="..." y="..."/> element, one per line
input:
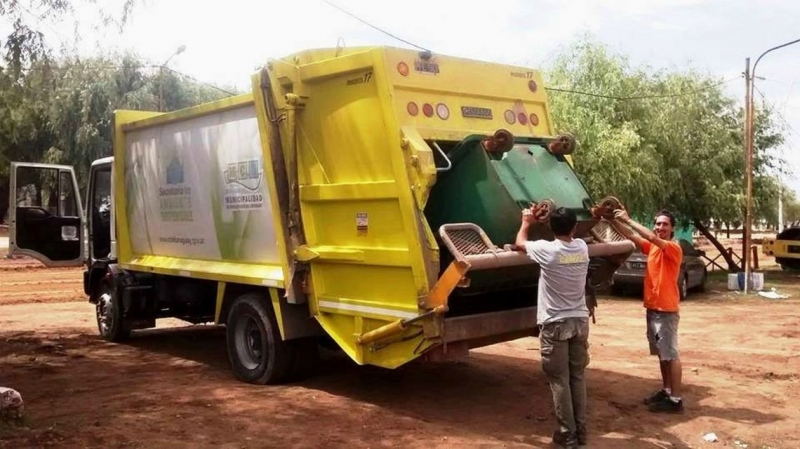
<point x="785" y="247"/>
<point x="360" y="195"/>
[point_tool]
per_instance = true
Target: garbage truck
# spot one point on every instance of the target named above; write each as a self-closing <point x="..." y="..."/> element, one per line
<point x="359" y="198"/>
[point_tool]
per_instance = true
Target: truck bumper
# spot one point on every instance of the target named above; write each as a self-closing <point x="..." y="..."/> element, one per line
<point x="490" y="328"/>
<point x="474" y="331"/>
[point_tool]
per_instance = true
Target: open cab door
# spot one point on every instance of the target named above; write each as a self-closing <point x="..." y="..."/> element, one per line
<point x="45" y="214"/>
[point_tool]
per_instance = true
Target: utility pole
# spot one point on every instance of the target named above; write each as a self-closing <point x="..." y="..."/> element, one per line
<point x="780" y="201"/>
<point x="780" y="170"/>
<point x="748" y="170"/>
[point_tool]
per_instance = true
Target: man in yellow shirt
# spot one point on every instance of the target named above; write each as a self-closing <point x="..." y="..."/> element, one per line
<point x="661" y="299"/>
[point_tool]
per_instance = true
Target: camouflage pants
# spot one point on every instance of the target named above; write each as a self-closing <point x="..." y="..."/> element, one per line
<point x="565" y="355"/>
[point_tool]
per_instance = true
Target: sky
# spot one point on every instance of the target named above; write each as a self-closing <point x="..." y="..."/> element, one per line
<point x="227" y="41"/>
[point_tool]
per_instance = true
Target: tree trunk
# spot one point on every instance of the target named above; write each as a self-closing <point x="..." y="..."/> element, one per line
<point x="732" y="266"/>
<point x="728" y="229"/>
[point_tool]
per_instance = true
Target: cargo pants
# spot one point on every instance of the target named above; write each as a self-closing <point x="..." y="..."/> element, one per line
<point x="565" y="355"/>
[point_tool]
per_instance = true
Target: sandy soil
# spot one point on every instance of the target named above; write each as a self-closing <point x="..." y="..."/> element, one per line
<point x="172" y="387"/>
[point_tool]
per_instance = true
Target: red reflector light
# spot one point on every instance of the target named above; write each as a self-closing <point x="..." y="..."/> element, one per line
<point x="442" y="111"/>
<point x="532" y="85"/>
<point x="412" y="108"/>
<point x="534" y="119"/>
<point x="427" y="109"/>
<point x="523" y="119"/>
<point x="511" y="118"/>
<point x="402" y="68"/>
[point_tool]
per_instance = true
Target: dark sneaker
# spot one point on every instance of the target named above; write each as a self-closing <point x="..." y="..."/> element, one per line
<point x="666" y="406"/>
<point x="583" y="439"/>
<point x="658" y="396"/>
<point x="565" y="440"/>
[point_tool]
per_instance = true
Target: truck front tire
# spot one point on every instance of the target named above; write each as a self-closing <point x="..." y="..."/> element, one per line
<point x="256" y="351"/>
<point x="109" y="313"/>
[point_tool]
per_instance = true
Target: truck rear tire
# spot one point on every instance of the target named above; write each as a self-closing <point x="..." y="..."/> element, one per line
<point x="256" y="351"/>
<point x="108" y="311"/>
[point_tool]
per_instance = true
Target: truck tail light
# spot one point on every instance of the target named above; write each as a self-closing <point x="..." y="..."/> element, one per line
<point x="412" y="109"/>
<point x="523" y="118"/>
<point x="534" y="119"/>
<point x="442" y="111"/>
<point x="402" y="68"/>
<point x="532" y="86"/>
<point x="427" y="109"/>
<point x="511" y="118"/>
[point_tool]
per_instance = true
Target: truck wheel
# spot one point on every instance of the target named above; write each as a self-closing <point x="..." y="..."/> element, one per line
<point x="108" y="310"/>
<point x="256" y="351"/>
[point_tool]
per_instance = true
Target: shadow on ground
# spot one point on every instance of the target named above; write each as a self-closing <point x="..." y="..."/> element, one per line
<point x="174" y="385"/>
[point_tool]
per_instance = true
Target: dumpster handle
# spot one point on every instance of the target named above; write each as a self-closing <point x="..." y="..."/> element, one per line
<point x="449" y="163"/>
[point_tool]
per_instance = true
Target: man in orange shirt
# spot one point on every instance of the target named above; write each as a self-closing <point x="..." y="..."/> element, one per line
<point x="661" y="297"/>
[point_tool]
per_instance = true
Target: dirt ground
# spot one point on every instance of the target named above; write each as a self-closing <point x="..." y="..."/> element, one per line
<point x="172" y="387"/>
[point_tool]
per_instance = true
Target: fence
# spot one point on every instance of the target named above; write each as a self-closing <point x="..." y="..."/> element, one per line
<point x="712" y="264"/>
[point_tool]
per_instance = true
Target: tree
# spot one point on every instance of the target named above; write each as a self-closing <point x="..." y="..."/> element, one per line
<point x="659" y="139"/>
<point x="791" y="206"/>
<point x="88" y="91"/>
<point x="609" y="140"/>
<point x="25" y="44"/>
<point x="60" y="111"/>
<point x="24" y="134"/>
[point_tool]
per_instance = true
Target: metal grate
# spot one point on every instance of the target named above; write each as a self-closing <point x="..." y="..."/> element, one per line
<point x="607" y="232"/>
<point x="465" y="239"/>
<point x="468" y="242"/>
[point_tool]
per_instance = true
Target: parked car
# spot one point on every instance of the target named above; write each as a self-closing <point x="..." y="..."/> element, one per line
<point x="693" y="275"/>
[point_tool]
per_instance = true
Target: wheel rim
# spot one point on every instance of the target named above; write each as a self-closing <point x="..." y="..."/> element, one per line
<point x="249" y="338"/>
<point x="105" y="312"/>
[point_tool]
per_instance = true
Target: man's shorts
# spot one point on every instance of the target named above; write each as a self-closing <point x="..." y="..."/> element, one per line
<point x="662" y="334"/>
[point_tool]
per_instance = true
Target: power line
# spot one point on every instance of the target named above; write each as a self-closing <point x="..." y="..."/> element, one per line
<point x="118" y="67"/>
<point x="373" y="26"/>
<point x="778" y="112"/>
<point x="40" y="20"/>
<point x="58" y="65"/>
<point x="588" y="94"/>
<point x="641" y="97"/>
<point x="199" y="82"/>
<point x="786" y="123"/>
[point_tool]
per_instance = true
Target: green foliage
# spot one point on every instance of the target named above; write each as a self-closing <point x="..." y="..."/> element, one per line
<point x="665" y="139"/>
<point x="791" y="206"/>
<point x="30" y="19"/>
